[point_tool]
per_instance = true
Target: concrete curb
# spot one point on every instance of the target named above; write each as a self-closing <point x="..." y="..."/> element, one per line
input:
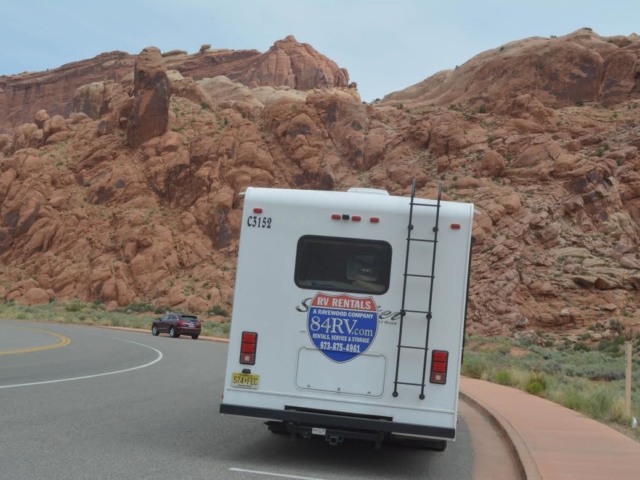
<point x="524" y="458"/>
<point x="139" y="330"/>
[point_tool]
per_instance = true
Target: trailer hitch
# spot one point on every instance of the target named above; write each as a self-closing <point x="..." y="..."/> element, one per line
<point x="334" y="440"/>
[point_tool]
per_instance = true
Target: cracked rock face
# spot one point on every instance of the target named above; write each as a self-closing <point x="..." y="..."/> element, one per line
<point x="84" y="215"/>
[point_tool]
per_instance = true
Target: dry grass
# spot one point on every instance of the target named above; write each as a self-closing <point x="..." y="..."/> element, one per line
<point x="134" y="316"/>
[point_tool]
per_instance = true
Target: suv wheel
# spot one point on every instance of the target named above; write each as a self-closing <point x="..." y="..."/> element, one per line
<point x="154" y="331"/>
<point x="173" y="333"/>
<point x="195" y="337"/>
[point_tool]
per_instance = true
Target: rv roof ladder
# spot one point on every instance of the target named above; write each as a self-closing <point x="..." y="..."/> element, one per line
<point x="403" y="311"/>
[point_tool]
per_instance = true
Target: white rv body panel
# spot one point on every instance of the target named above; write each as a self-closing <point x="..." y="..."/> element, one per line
<point x="294" y="374"/>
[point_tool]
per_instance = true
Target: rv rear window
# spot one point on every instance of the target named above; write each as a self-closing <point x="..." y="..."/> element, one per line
<point x="346" y="265"/>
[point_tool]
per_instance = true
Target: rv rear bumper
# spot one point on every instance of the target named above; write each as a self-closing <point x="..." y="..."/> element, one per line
<point x="339" y="421"/>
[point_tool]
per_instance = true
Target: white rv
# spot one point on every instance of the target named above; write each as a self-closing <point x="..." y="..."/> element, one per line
<point x="349" y="314"/>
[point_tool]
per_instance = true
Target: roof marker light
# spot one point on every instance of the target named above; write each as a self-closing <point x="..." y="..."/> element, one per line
<point x="336" y="216"/>
<point x="356" y="218"/>
<point x="455" y="226"/>
<point x="257" y="210"/>
<point x="374" y="220"/>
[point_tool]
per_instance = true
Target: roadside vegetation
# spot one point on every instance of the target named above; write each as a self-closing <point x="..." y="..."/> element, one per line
<point x="589" y="379"/>
<point x="136" y="315"/>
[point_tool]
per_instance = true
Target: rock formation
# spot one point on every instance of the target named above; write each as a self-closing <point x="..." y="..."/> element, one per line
<point x="557" y="189"/>
<point x="579" y="67"/>
<point x="287" y="63"/>
<point x="292" y="64"/>
<point x="149" y="116"/>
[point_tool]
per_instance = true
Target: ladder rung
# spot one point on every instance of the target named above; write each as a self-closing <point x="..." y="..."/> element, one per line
<point x="421" y="240"/>
<point x="416" y="275"/>
<point x="414" y="348"/>
<point x="413" y="384"/>
<point x="423" y="204"/>
<point x="416" y="311"/>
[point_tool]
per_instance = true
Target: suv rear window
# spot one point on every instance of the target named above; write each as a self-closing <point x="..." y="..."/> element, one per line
<point x="348" y="265"/>
<point x="189" y="318"/>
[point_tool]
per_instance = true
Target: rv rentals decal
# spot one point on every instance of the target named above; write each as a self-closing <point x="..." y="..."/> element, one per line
<point x="342" y="327"/>
<point x="385" y="317"/>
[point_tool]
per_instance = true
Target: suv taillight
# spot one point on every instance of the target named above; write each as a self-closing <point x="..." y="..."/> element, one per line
<point x="439" y="363"/>
<point x="248" y="349"/>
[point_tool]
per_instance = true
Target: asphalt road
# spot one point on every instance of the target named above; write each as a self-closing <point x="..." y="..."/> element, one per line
<point x="144" y="407"/>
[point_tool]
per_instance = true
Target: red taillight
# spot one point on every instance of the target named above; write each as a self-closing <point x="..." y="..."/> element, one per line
<point x="374" y="220"/>
<point x="336" y="216"/>
<point x="248" y="348"/>
<point x="440" y="357"/>
<point x="439" y="367"/>
<point x="257" y="210"/>
<point x="439" y="363"/>
<point x="455" y="226"/>
<point x="180" y="322"/>
<point x="356" y="218"/>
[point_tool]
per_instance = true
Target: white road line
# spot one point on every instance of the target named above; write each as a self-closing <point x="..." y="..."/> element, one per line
<point x="279" y="475"/>
<point x="97" y="374"/>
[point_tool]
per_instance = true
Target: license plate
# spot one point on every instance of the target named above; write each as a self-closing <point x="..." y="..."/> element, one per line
<point x="318" y="431"/>
<point x="244" y="380"/>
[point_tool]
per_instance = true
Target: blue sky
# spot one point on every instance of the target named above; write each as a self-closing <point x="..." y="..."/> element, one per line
<point x="385" y="45"/>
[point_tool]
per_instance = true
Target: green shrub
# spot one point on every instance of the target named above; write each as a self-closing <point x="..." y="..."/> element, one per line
<point x="617" y="327"/>
<point x="572" y="398"/>
<point x="537" y="383"/>
<point x="218" y="310"/>
<point x="599" y="404"/>
<point x="504" y="377"/>
<point x="610" y="348"/>
<point x="96" y="305"/>
<point x="581" y="347"/>
<point x="482" y="109"/>
<point x="474" y="367"/>
<point x="74" y="307"/>
<point x="535" y="388"/>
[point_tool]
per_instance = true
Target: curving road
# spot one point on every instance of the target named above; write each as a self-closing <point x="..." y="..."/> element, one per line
<point x="113" y="405"/>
